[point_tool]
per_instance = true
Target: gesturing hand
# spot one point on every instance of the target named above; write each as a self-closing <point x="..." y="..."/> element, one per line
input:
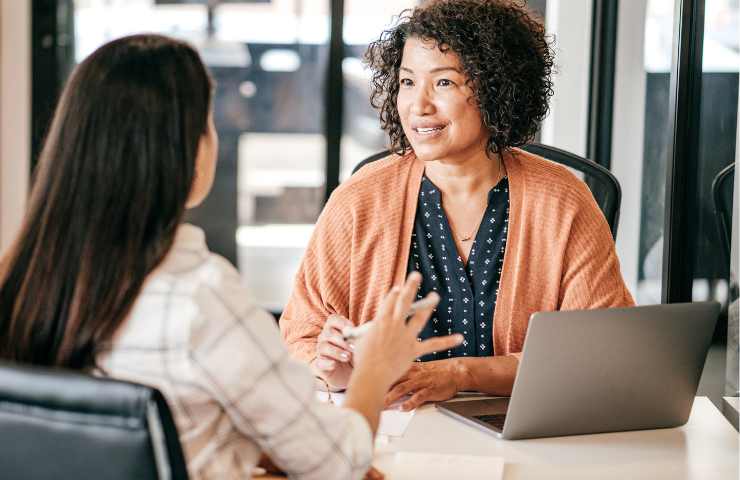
<point x="391" y="345"/>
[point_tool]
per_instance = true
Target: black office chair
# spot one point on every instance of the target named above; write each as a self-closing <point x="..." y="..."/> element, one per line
<point x="603" y="184"/>
<point x="58" y="424"/>
<point x="722" y="186"/>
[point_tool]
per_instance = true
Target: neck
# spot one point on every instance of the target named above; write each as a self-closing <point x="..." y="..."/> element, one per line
<point x="467" y="176"/>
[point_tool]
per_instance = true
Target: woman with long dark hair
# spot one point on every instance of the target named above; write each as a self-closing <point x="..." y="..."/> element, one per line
<point x="104" y="278"/>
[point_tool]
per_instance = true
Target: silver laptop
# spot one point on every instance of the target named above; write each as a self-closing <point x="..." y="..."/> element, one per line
<point x="596" y="371"/>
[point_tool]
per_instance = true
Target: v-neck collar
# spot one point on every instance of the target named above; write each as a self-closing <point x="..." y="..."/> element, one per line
<point x="514" y="174"/>
<point x="436" y="192"/>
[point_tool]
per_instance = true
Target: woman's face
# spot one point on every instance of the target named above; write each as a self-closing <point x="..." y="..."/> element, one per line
<point x="205" y="165"/>
<point x="438" y="113"/>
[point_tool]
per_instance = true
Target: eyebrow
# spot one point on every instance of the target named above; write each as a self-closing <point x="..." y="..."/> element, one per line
<point x="434" y="70"/>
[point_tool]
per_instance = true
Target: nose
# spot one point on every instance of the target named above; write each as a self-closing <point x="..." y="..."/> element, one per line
<point x="422" y="102"/>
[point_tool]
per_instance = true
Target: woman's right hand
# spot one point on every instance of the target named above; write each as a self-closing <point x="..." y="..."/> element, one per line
<point x="333" y="360"/>
<point x="386" y="351"/>
<point x="392" y="344"/>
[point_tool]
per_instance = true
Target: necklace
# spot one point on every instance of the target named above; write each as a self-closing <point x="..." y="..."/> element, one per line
<point x="467" y="238"/>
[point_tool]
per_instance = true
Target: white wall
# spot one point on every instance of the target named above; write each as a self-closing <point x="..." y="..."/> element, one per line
<point x="628" y="130"/>
<point x="15" y="114"/>
<point x="566" y="126"/>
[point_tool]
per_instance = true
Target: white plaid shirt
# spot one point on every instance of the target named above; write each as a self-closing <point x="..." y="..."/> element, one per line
<point x="194" y="334"/>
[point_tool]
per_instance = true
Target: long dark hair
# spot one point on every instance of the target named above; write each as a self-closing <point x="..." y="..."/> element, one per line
<point x="109" y="192"/>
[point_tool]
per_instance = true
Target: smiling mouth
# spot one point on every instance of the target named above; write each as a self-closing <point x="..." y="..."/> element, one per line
<point x="429" y="130"/>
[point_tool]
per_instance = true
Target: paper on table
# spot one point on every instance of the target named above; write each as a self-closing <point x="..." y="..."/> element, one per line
<point x="393" y="422"/>
<point x="435" y="466"/>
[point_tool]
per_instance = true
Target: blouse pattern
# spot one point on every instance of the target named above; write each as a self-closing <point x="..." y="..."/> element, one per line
<point x="468" y="292"/>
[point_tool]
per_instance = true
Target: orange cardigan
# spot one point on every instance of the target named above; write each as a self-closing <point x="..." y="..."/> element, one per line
<point x="559" y="255"/>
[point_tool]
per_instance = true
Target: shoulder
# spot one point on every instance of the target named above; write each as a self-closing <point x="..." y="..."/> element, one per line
<point x="205" y="284"/>
<point x="377" y="187"/>
<point x="545" y="180"/>
<point x="376" y="178"/>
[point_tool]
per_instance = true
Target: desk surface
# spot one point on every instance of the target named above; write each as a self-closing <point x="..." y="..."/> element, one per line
<point x="705" y="448"/>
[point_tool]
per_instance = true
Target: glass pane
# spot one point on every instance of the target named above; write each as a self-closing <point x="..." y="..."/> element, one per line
<point x="718" y="127"/>
<point x="568" y="25"/>
<point x="363" y="23"/>
<point x="269" y="61"/>
<point x="281" y="153"/>
<point x="640" y="140"/>
<point x="717" y="154"/>
<point x="732" y="374"/>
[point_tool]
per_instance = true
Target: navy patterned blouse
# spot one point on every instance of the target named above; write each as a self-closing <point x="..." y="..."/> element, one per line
<point x="467" y="292"/>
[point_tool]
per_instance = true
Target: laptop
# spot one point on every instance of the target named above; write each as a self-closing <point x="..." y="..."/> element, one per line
<point x="596" y="371"/>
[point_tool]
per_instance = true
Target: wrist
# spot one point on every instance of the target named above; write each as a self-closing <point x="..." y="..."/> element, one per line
<point x="461" y="374"/>
<point x="372" y="374"/>
<point x="324" y="380"/>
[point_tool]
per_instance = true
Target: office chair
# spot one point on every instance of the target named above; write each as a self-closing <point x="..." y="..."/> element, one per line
<point x="603" y="184"/>
<point x="60" y="424"/>
<point x="722" y="186"/>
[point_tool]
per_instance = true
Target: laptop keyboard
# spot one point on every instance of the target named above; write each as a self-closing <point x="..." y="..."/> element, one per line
<point x="496" y="421"/>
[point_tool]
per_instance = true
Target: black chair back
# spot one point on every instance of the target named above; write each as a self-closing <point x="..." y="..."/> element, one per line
<point x="722" y="186"/>
<point x="603" y="184"/>
<point x="60" y="424"/>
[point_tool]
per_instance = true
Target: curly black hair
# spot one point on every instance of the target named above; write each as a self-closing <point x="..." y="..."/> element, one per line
<point x="503" y="50"/>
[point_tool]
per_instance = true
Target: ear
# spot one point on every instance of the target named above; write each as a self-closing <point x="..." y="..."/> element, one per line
<point x="205" y="166"/>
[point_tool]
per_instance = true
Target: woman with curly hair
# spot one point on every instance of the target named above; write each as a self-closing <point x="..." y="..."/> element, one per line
<point x="499" y="233"/>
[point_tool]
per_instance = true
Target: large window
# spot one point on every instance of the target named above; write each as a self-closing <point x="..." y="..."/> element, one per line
<point x="270" y="60"/>
<point x="642" y="139"/>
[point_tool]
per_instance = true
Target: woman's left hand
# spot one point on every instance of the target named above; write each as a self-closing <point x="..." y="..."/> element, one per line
<point x="426" y="382"/>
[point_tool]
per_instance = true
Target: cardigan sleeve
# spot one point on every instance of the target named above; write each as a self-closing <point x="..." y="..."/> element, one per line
<point x="321" y="286"/>
<point x="591" y="274"/>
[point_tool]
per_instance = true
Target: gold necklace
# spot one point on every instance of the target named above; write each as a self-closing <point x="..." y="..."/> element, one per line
<point x="467" y="238"/>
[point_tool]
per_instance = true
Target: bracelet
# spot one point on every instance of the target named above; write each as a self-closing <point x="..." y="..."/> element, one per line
<point x="327" y="389"/>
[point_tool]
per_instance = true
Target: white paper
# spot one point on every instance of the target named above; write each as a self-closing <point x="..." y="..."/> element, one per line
<point x="393" y="422"/>
<point x="435" y="466"/>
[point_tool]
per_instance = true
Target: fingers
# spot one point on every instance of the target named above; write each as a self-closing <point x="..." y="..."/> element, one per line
<point x="374" y="474"/>
<point x="335" y="339"/>
<point x="334" y="325"/>
<point x="416" y="400"/>
<point x="325" y="365"/>
<point x="337" y="322"/>
<point x="438" y="344"/>
<point x="331" y="334"/>
<point x="399" y="391"/>
<point x="388" y="305"/>
<point x="408" y="292"/>
<point x="404" y="378"/>
<point x="331" y="352"/>
<point x="421" y="317"/>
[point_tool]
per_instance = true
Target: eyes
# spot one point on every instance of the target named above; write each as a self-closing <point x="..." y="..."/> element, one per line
<point x="442" y="82"/>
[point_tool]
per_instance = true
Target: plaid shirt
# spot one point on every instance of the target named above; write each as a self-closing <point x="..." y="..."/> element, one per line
<point x="194" y="334"/>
